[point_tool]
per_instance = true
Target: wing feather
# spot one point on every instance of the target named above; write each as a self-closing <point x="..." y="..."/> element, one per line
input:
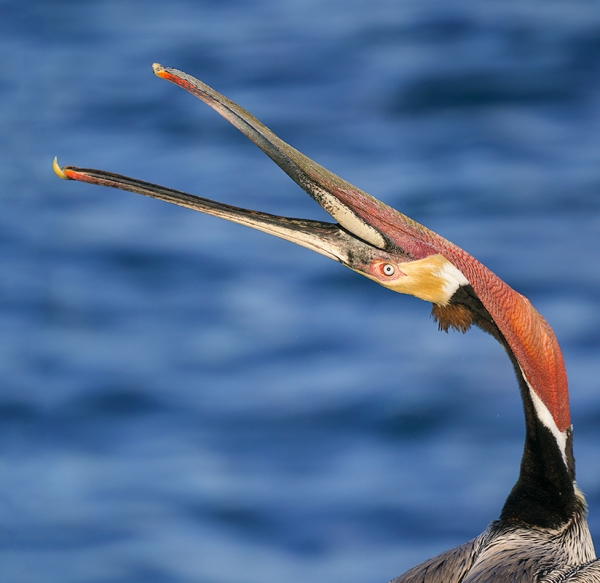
<point x="448" y="567"/>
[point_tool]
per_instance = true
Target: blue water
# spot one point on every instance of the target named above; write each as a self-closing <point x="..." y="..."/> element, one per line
<point x="185" y="400"/>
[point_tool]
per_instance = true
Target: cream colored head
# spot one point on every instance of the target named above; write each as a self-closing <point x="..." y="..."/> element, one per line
<point x="433" y="279"/>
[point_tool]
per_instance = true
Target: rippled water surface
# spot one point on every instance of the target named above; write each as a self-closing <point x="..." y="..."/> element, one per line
<point x="185" y="400"/>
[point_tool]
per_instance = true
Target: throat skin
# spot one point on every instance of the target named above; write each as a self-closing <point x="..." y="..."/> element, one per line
<point x="545" y="494"/>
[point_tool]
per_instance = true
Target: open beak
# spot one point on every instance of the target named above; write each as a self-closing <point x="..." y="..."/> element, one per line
<point x="370" y="237"/>
<point x="380" y="243"/>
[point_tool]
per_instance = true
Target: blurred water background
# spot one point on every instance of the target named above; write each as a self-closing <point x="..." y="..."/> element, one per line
<point x="185" y="400"/>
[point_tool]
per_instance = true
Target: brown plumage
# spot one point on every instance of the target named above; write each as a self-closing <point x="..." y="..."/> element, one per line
<point x="455" y="316"/>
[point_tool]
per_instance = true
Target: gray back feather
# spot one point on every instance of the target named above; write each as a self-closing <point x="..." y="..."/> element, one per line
<point x="509" y="553"/>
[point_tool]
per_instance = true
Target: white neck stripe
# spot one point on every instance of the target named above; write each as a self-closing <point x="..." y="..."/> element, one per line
<point x="547" y="420"/>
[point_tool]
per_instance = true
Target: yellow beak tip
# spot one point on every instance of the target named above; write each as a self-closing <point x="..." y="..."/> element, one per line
<point x="157" y="68"/>
<point x="58" y="170"/>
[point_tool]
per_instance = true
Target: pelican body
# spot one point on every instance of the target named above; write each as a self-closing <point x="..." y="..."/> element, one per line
<point x="542" y="534"/>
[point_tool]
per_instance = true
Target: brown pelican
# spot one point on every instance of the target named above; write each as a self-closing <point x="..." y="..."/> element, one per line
<point x="542" y="534"/>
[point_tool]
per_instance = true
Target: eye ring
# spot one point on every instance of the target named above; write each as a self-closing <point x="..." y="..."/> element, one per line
<point x="388" y="269"/>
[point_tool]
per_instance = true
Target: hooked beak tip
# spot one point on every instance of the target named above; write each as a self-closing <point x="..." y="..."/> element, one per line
<point x="157" y="69"/>
<point x="58" y="170"/>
